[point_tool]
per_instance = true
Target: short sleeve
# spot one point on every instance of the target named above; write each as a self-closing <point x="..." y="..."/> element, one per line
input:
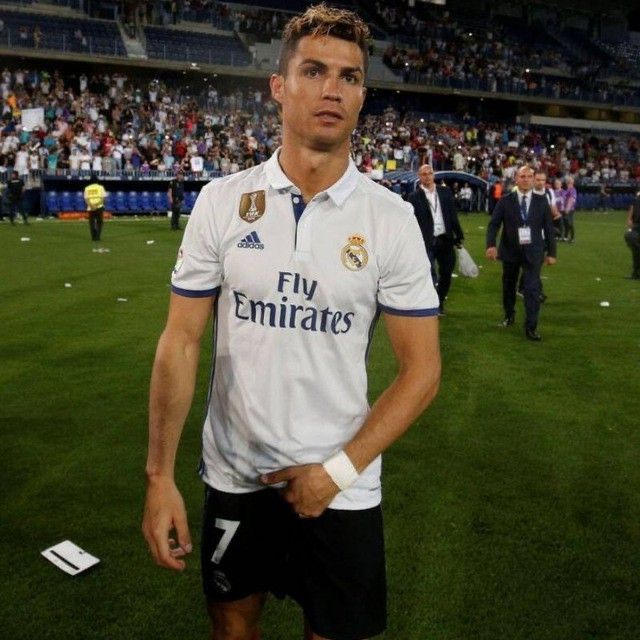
<point x="405" y="286"/>
<point x="197" y="272"/>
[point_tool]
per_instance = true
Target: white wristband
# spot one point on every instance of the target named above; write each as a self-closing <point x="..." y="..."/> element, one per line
<point x="341" y="470"/>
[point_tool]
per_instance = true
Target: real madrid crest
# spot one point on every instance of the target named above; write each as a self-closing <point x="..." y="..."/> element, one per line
<point x="252" y="206"/>
<point x="354" y="256"/>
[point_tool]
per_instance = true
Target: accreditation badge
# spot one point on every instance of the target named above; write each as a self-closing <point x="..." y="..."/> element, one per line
<point x="252" y="206"/>
<point x="524" y="235"/>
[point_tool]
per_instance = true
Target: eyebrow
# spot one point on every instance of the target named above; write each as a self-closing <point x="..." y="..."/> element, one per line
<point x="324" y="67"/>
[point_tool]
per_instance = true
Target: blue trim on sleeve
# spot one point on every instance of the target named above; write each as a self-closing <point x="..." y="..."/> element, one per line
<point x="409" y="312"/>
<point x="195" y="294"/>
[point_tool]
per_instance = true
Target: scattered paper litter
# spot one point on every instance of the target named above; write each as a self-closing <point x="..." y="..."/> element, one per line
<point x="67" y="285"/>
<point x="150" y="241"/>
<point x="69" y="557"/>
<point x="480" y="227"/>
<point x="101" y="250"/>
<point x="598" y="279"/>
<point x="454" y="275"/>
<point x="123" y="300"/>
<point x="25" y="239"/>
<point x="604" y="303"/>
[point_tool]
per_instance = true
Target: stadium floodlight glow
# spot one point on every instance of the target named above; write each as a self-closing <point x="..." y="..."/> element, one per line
<point x="527" y="70"/>
<point x="470" y="34"/>
<point x="421" y="119"/>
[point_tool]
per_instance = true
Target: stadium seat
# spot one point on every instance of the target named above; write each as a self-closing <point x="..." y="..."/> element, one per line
<point x="109" y="202"/>
<point x="146" y="203"/>
<point x="66" y="201"/>
<point x="190" y="199"/>
<point x="78" y="201"/>
<point x="133" y="201"/>
<point x="120" y="202"/>
<point x="160" y="201"/>
<point x="51" y="200"/>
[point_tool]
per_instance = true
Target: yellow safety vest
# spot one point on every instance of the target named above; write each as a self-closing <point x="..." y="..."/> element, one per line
<point x="94" y="196"/>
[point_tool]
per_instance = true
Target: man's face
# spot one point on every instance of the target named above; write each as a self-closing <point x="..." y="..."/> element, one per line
<point x="425" y="174"/>
<point x="524" y="179"/>
<point x="322" y="92"/>
<point x="540" y="181"/>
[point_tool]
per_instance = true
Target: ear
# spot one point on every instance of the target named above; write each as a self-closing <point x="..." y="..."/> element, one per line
<point x="276" y="83"/>
<point x="364" y="95"/>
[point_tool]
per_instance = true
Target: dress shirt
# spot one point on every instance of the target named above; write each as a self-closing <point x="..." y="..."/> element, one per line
<point x="436" y="211"/>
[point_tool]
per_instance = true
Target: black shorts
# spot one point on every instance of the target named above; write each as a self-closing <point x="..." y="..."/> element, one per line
<point x="333" y="566"/>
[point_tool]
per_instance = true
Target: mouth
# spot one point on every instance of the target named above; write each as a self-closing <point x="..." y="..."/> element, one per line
<point x="329" y="115"/>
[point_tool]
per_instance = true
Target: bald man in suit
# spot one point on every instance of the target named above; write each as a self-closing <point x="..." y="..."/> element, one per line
<point x="523" y="216"/>
<point x="435" y="209"/>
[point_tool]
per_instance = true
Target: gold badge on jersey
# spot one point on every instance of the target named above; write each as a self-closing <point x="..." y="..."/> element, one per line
<point x="354" y="256"/>
<point x="252" y="206"/>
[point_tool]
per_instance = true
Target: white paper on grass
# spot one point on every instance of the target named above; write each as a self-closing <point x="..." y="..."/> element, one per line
<point x="604" y="303"/>
<point x="70" y="558"/>
<point x="67" y="285"/>
<point x="150" y="241"/>
<point x="122" y="299"/>
<point x="25" y="239"/>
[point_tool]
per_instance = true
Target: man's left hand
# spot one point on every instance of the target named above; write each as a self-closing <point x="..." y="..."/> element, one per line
<point x="309" y="488"/>
<point x="550" y="260"/>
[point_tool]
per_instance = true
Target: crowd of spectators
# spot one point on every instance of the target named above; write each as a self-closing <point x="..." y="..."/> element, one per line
<point x="111" y="123"/>
<point x="446" y="53"/>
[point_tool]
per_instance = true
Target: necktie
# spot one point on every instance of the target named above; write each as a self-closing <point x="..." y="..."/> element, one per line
<point x="523" y="208"/>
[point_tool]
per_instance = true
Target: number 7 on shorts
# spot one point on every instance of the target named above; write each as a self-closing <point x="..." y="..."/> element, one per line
<point x="229" y="528"/>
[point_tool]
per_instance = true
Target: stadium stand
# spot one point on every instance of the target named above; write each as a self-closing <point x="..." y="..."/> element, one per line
<point x="195" y="47"/>
<point x="71" y="35"/>
<point x="135" y="131"/>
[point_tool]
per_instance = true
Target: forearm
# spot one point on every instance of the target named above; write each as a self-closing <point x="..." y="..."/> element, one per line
<point x="393" y="413"/>
<point x="172" y="387"/>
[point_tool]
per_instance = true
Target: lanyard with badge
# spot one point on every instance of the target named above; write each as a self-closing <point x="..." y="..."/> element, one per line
<point x="524" y="231"/>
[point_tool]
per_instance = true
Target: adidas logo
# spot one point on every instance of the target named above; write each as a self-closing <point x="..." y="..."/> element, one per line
<point x="252" y="241"/>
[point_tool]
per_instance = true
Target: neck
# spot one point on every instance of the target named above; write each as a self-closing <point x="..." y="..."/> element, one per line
<point x="431" y="187"/>
<point x="313" y="171"/>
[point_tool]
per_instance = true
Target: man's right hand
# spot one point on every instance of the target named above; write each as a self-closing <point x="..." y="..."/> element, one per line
<point x="164" y="513"/>
<point x="492" y="253"/>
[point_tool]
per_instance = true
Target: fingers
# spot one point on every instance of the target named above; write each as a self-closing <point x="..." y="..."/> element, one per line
<point x="182" y="532"/>
<point x="161" y="516"/>
<point x="284" y="475"/>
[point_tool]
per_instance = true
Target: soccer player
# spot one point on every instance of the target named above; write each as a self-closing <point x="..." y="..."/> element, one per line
<point x="297" y="257"/>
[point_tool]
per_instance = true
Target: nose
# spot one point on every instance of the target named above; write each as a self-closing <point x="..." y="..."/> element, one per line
<point x="331" y="89"/>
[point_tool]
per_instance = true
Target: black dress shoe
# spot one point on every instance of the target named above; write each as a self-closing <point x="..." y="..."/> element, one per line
<point x="441" y="311"/>
<point x="508" y="321"/>
<point x="533" y="335"/>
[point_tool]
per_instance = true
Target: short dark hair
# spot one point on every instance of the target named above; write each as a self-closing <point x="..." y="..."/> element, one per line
<point x="321" y="20"/>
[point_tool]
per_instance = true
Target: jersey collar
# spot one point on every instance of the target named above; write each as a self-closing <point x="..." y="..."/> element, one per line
<point x="338" y="192"/>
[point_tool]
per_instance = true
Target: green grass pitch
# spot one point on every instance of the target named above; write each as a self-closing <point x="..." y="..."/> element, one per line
<point x="512" y="507"/>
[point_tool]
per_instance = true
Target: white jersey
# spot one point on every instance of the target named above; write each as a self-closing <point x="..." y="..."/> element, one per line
<point x="296" y="307"/>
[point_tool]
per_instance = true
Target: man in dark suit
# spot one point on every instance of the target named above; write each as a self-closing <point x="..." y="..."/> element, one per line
<point x="435" y="210"/>
<point x="523" y="215"/>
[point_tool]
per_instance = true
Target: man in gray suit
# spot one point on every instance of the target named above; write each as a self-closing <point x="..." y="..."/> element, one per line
<point x="523" y="216"/>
